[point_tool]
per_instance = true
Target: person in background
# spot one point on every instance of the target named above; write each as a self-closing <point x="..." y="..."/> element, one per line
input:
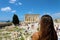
<point x="47" y="31"/>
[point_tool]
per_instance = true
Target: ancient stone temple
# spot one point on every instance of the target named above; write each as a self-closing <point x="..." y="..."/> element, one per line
<point x="31" y="18"/>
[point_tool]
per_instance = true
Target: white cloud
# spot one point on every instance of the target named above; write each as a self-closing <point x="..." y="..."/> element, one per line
<point x="6" y="9"/>
<point x="13" y="11"/>
<point x="20" y="3"/>
<point x="56" y="15"/>
<point x="15" y="2"/>
<point x="12" y="1"/>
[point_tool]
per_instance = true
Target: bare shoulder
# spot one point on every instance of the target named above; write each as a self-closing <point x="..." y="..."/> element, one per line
<point x="35" y="36"/>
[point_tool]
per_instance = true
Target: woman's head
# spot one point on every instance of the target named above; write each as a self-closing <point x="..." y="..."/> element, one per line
<point x="46" y="22"/>
<point x="47" y="31"/>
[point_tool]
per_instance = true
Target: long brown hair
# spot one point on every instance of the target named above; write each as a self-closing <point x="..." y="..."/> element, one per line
<point x="47" y="31"/>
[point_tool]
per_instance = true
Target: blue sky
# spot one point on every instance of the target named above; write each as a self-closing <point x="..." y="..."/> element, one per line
<point x="21" y="7"/>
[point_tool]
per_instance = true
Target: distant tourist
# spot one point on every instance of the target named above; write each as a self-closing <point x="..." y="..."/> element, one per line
<point x="47" y="31"/>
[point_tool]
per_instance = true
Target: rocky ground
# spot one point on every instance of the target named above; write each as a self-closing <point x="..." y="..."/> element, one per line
<point x="15" y="33"/>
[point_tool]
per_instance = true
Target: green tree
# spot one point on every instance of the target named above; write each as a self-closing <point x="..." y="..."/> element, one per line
<point x="15" y="20"/>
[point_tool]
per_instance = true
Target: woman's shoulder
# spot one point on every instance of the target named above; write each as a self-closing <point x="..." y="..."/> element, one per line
<point x="35" y="36"/>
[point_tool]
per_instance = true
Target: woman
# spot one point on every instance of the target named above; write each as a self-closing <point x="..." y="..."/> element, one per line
<point x="47" y="31"/>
